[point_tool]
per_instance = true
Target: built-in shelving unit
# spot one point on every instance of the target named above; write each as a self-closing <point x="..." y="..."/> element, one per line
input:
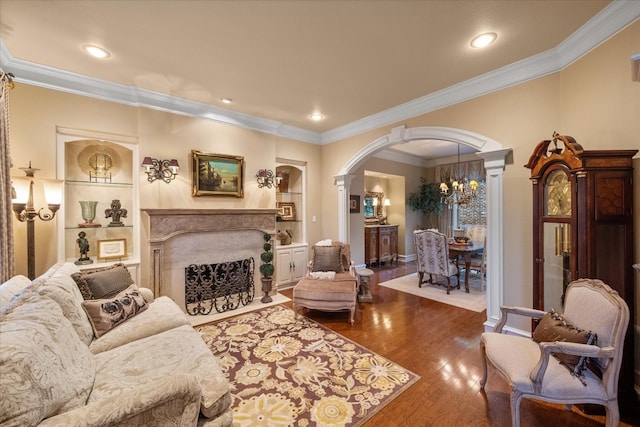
<point x="101" y="168"/>
<point x="291" y="259"/>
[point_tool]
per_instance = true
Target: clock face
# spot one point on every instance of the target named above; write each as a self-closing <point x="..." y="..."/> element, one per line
<point x="557" y="194"/>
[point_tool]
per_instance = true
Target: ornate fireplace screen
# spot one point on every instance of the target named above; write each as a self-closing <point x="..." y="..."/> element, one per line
<point x="224" y="286"/>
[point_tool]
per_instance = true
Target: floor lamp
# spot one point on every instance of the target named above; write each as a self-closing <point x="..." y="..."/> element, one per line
<point x="25" y="211"/>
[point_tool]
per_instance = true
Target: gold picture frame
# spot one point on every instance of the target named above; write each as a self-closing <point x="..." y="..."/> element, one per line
<point x="112" y="248"/>
<point x="287" y="211"/>
<point x="217" y="175"/>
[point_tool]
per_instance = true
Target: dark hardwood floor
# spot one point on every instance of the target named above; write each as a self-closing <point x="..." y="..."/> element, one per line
<point x="440" y="343"/>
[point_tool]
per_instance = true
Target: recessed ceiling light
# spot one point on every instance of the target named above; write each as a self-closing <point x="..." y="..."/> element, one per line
<point x="483" y="40"/>
<point x="226" y="100"/>
<point x="96" y="51"/>
<point x="316" y="117"/>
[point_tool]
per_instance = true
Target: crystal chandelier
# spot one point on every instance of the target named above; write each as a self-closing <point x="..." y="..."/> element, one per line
<point x="460" y="190"/>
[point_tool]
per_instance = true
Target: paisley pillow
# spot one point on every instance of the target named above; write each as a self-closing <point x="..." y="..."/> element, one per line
<point x="105" y="314"/>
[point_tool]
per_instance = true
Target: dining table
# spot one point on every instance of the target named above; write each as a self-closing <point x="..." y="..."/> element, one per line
<point x="465" y="251"/>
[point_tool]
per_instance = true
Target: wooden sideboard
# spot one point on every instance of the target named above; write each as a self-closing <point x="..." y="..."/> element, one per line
<point x="380" y="244"/>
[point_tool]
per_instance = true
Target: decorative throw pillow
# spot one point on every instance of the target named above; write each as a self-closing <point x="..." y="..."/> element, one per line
<point x="327" y="258"/>
<point x="553" y="327"/>
<point x="106" y="314"/>
<point x="103" y="282"/>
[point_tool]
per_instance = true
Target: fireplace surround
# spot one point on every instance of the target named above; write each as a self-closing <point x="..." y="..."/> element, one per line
<point x="180" y="237"/>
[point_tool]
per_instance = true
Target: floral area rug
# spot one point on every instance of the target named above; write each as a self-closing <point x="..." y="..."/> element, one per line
<point x="288" y="371"/>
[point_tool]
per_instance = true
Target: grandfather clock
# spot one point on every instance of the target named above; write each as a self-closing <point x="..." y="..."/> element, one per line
<point x="583" y="228"/>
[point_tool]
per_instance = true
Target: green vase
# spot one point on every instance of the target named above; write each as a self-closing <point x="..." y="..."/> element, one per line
<point x="88" y="213"/>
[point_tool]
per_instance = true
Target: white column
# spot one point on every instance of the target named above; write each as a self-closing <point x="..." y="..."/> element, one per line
<point x="343" y="182"/>
<point x="494" y="163"/>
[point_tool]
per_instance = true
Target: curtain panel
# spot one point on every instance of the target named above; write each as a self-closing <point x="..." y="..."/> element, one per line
<point x="7" y="264"/>
<point x="472" y="170"/>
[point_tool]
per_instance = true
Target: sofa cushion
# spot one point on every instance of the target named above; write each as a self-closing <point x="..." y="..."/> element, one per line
<point x="343" y="290"/>
<point x="107" y="313"/>
<point x="104" y="282"/>
<point x="327" y="258"/>
<point x="553" y="327"/>
<point x="71" y="309"/>
<point x="59" y="277"/>
<point x="11" y="287"/>
<point x="45" y="369"/>
<point x="176" y="351"/>
<point x="163" y="314"/>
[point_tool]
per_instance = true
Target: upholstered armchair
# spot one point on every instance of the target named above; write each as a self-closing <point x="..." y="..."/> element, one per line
<point x="573" y="358"/>
<point x="330" y="283"/>
<point x="432" y="256"/>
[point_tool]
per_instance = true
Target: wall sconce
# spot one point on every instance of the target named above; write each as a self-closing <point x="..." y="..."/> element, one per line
<point x="166" y="170"/>
<point x="24" y="209"/>
<point x="265" y="178"/>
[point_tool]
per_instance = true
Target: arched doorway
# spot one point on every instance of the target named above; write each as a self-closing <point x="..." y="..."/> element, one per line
<point x="494" y="155"/>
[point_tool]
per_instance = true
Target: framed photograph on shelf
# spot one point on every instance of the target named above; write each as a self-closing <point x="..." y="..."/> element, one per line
<point x="112" y="248"/>
<point x="287" y="211"/>
<point x="354" y="204"/>
<point x="217" y="175"/>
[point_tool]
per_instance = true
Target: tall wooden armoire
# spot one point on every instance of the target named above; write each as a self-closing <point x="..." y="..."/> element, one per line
<point x="583" y="228"/>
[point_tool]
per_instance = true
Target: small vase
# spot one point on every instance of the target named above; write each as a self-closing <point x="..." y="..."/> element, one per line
<point x="88" y="208"/>
<point x="266" y="288"/>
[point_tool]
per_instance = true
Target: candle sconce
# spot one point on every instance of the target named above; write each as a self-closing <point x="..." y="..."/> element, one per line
<point x="266" y="178"/>
<point x="166" y="170"/>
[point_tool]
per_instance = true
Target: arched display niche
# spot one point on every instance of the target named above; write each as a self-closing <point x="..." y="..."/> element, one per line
<point x="494" y="155"/>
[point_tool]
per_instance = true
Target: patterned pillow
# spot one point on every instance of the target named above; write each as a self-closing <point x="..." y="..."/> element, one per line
<point x="553" y="327"/>
<point x="106" y="314"/>
<point x="103" y="282"/>
<point x="327" y="258"/>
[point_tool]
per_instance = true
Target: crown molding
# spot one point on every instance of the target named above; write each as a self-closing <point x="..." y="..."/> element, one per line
<point x="78" y="84"/>
<point x="612" y="19"/>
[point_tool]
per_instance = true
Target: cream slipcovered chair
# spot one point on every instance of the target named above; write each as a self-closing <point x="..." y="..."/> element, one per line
<point x="330" y="283"/>
<point x="591" y="306"/>
<point x="432" y="256"/>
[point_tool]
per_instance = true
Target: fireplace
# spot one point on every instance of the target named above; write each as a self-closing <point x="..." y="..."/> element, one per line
<point x="181" y="237"/>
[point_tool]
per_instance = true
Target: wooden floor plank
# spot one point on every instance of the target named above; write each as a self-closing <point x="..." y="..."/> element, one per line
<point x="440" y="343"/>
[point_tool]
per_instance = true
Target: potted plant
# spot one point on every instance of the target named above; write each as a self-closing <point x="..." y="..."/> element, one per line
<point x="427" y="199"/>
<point x="266" y="268"/>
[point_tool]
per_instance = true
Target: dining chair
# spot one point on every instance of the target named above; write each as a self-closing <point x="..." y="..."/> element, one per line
<point x="432" y="256"/>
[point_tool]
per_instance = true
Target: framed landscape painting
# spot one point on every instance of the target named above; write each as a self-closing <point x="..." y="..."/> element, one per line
<point x="217" y="175"/>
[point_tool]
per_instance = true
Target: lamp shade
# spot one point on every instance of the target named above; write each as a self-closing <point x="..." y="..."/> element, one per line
<point x="387" y="202"/>
<point x="52" y="191"/>
<point x="174" y="166"/>
<point x="21" y="185"/>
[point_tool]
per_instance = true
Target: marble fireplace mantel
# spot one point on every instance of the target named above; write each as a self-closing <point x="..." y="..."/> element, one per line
<point x="194" y="233"/>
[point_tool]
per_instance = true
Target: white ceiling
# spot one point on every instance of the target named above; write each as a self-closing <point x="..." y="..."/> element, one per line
<point x="283" y="60"/>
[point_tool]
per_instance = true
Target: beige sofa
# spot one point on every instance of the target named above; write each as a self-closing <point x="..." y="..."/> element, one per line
<point x="151" y="370"/>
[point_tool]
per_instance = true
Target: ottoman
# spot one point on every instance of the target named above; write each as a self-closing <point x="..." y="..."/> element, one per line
<point x="327" y="295"/>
